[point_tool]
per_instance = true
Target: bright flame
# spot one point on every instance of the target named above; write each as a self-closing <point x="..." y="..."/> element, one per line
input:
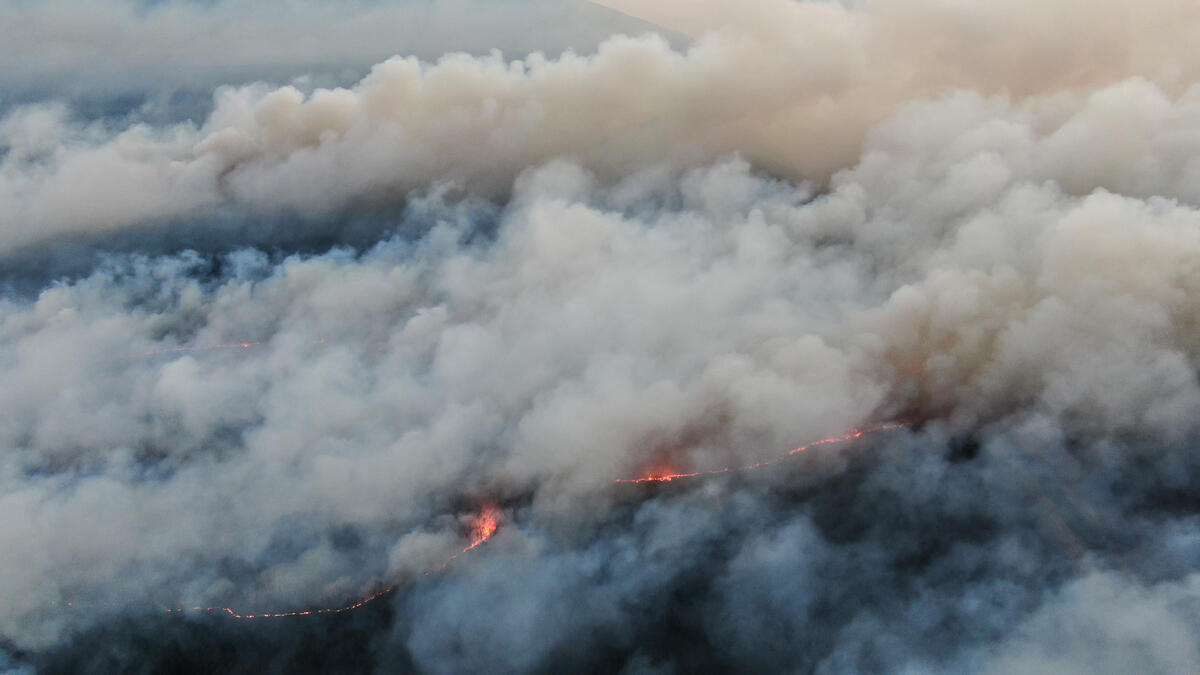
<point x="658" y="476"/>
<point x="485" y="525"/>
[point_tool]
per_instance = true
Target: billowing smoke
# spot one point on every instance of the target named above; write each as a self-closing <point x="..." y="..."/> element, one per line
<point x="791" y="87"/>
<point x="281" y="357"/>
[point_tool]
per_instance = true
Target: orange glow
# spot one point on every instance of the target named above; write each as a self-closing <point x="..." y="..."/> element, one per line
<point x="667" y="475"/>
<point x="483" y="526"/>
<point x="658" y="476"/>
<point x="486" y="523"/>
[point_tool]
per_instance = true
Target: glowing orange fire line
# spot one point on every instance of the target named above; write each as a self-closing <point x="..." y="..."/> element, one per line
<point x="848" y="436"/>
<point x="487" y="521"/>
<point x="486" y="524"/>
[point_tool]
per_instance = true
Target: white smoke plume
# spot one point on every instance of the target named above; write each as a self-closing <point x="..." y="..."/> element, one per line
<point x="980" y="221"/>
<point x="791" y="87"/>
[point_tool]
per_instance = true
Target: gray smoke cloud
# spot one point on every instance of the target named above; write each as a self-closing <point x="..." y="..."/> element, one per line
<point x="540" y="275"/>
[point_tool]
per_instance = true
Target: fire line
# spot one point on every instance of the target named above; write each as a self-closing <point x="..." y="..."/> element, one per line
<point x="482" y="528"/>
<point x="666" y="476"/>
<point x="488" y="521"/>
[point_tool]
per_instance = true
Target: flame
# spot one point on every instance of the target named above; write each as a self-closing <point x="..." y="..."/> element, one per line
<point x="661" y="475"/>
<point x="658" y="476"/>
<point x="483" y="526"/>
<point x="486" y="523"/>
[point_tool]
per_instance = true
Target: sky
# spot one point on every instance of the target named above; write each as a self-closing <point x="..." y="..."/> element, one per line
<point x="297" y="299"/>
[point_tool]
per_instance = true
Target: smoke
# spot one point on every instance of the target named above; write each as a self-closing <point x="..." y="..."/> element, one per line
<point x="302" y="344"/>
<point x="633" y="104"/>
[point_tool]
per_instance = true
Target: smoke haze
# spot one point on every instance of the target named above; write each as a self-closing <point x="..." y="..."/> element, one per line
<point x="274" y="349"/>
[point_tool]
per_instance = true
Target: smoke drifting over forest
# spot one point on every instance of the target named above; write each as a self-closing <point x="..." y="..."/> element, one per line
<point x="284" y="307"/>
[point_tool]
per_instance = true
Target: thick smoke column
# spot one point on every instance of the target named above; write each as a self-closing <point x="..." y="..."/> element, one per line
<point x="282" y="353"/>
<point x="793" y="87"/>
